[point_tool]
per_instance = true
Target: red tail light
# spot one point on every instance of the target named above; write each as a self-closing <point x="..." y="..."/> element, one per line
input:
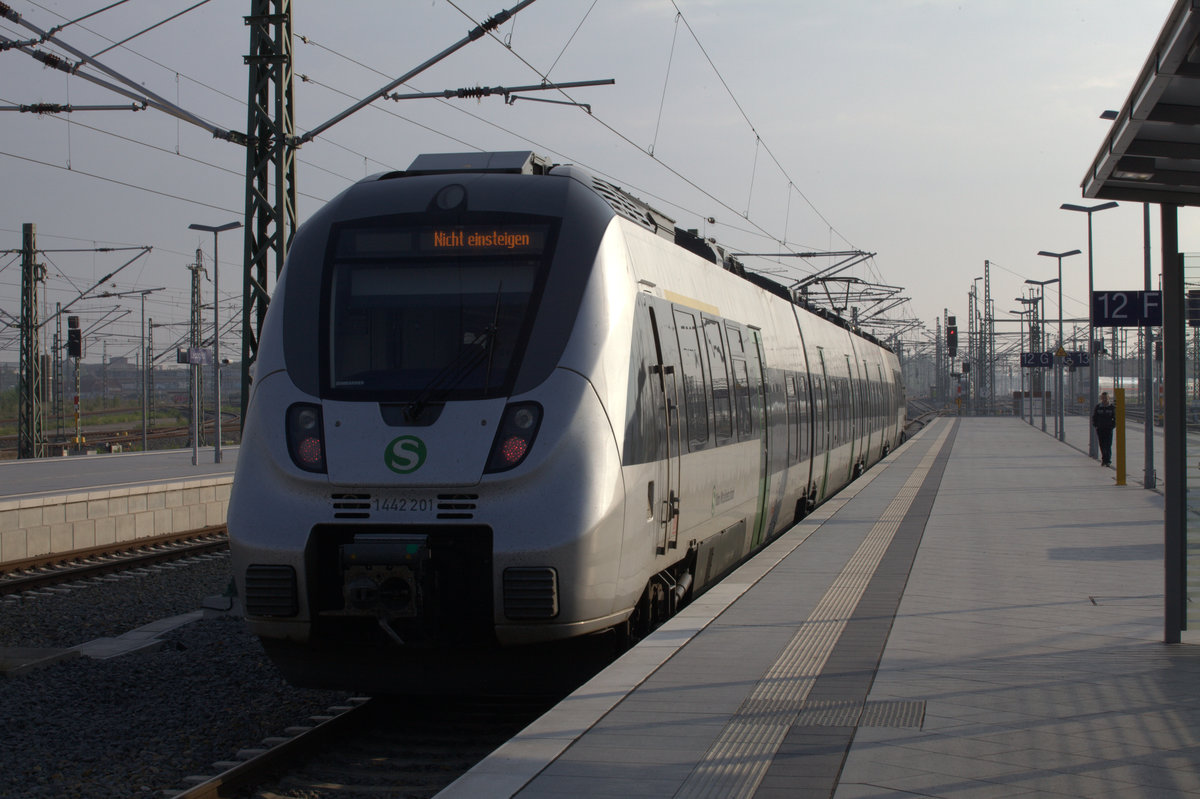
<point x="514" y="439"/>
<point x="306" y="437"/>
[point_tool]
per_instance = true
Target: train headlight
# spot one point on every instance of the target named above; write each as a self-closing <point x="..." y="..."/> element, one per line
<point x="514" y="438"/>
<point x="306" y="437"/>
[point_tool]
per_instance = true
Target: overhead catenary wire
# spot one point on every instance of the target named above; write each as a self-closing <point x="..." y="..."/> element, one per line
<point x="136" y="91"/>
<point x="677" y="173"/>
<point x="746" y="117"/>
<point x="145" y="96"/>
<point x="760" y="231"/>
<point x="122" y="183"/>
<point x="551" y="149"/>
<point x="662" y="102"/>
<point x="570" y="38"/>
<point x="88" y="15"/>
<point x="480" y="29"/>
<point x="239" y="101"/>
<point x="152" y="27"/>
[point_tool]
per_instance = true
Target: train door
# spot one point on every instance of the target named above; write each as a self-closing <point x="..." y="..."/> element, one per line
<point x="823" y="396"/>
<point x="881" y="411"/>
<point x="805" y="412"/>
<point x="868" y="413"/>
<point x="667" y="394"/>
<point x="852" y="415"/>
<point x="759" y="410"/>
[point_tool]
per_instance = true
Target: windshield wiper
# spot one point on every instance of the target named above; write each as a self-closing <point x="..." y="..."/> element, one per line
<point x="468" y="358"/>
<point x="445" y="381"/>
<point x="491" y="347"/>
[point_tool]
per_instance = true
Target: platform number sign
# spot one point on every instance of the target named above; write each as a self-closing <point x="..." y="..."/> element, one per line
<point x="1126" y="308"/>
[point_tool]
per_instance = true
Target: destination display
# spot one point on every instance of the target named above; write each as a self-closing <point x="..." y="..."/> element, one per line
<point x="485" y="239"/>
<point x="386" y="242"/>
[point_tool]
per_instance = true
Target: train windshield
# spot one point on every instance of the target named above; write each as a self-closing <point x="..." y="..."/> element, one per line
<point x="433" y="312"/>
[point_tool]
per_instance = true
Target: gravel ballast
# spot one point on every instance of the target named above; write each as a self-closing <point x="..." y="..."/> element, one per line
<point x="135" y="725"/>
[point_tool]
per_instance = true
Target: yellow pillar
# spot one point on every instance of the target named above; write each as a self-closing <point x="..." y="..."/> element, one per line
<point x="1119" y="396"/>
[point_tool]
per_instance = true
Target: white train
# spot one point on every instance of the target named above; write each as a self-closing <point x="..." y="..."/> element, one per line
<point x="499" y="405"/>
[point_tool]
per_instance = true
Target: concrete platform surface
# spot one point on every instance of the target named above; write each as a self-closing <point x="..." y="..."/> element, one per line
<point x="41" y="477"/>
<point x="979" y="616"/>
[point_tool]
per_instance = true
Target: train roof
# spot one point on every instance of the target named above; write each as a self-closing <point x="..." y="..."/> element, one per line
<point x="624" y="204"/>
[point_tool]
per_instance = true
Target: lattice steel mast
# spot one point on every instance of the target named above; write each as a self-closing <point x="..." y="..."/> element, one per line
<point x="270" y="221"/>
<point x="31" y="438"/>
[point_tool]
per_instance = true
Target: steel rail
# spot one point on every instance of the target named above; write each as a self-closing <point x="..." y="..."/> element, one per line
<point x="31" y="574"/>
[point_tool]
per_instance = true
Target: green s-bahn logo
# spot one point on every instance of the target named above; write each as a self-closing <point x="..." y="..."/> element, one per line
<point x="405" y="454"/>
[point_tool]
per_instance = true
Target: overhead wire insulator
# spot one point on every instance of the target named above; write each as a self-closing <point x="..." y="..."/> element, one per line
<point x="492" y="23"/>
<point x="476" y="92"/>
<point x="52" y="61"/>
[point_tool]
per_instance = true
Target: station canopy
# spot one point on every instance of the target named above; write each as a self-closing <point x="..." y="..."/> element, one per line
<point x="1152" y="152"/>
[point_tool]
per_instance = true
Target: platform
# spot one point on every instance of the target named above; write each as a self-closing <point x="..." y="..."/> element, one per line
<point x="52" y="506"/>
<point x="981" y="615"/>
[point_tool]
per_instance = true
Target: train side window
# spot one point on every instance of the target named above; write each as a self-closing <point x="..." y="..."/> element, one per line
<point x="835" y="410"/>
<point x="793" y="418"/>
<point x="835" y="402"/>
<point x="844" y="409"/>
<point x="820" y="414"/>
<point x="722" y="413"/>
<point x="737" y="341"/>
<point x="695" y="397"/>
<point x="802" y="405"/>
<point x="644" y="413"/>
<point x="741" y="394"/>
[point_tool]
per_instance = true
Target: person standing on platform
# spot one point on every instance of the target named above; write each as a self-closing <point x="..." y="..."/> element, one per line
<point x="1104" y="419"/>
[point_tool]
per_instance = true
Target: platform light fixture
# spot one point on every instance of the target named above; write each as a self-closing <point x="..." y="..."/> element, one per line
<point x="216" y="230"/>
<point x="1029" y="303"/>
<point x="1093" y="369"/>
<point x="1062" y="433"/>
<point x="1020" y="349"/>
<point x="1041" y="300"/>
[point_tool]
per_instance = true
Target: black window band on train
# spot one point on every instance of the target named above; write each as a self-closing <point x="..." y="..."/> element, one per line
<point x="427" y="311"/>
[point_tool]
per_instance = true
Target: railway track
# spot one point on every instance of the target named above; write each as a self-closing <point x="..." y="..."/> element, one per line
<point x="32" y="574"/>
<point x="377" y="747"/>
<point x="129" y="434"/>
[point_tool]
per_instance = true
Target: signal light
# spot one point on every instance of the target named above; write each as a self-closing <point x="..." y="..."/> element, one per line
<point x="514" y="438"/>
<point x="74" y="343"/>
<point x="952" y="340"/>
<point x="306" y="437"/>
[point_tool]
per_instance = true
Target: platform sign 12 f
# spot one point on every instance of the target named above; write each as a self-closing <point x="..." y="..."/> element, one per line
<point x="1126" y="308"/>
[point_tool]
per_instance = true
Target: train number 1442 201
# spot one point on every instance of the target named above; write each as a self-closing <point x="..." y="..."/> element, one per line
<point x="404" y="504"/>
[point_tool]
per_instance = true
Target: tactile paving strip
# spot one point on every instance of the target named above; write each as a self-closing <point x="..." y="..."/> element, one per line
<point x="849" y="713"/>
<point x="736" y="763"/>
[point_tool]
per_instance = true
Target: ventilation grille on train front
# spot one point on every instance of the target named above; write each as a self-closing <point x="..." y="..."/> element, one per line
<point x="351" y="506"/>
<point x="271" y="591"/>
<point x="359" y="506"/>
<point x="530" y="593"/>
<point x="635" y="210"/>
<point x="456" y="506"/>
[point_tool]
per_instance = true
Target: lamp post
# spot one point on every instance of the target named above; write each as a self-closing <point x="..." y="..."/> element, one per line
<point x="1093" y="369"/>
<point x="975" y="341"/>
<point x="216" y="230"/>
<point x="1027" y="302"/>
<point x="1062" y="433"/>
<point x="145" y="356"/>
<point x="1041" y="300"/>
<point x="1020" y="349"/>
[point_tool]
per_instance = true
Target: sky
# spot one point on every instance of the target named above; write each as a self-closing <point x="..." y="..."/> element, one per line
<point x="935" y="134"/>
